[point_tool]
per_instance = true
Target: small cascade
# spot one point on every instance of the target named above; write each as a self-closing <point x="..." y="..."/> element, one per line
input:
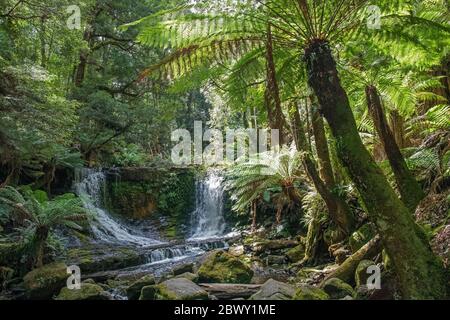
<point x="207" y="220"/>
<point x="90" y="185"/>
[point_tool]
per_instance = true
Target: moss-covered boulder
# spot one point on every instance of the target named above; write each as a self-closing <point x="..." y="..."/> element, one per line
<point x="43" y="283"/>
<point x="296" y="254"/>
<point x="88" y="291"/>
<point x="360" y="237"/>
<point x="188" y="275"/>
<point x="148" y="293"/>
<point x="179" y="289"/>
<point x="310" y="293"/>
<point x="361" y="274"/>
<point x="134" y="290"/>
<point x="92" y="259"/>
<point x="274" y="290"/>
<point x="337" y="289"/>
<point x="222" y="267"/>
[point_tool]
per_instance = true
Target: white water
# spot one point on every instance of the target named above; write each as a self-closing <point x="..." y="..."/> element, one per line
<point x="207" y="220"/>
<point x="90" y="185"/>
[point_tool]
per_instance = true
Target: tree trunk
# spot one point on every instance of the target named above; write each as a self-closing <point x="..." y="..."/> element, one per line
<point x="41" y="241"/>
<point x="337" y="209"/>
<point x="421" y="275"/>
<point x="409" y="189"/>
<point x="272" y="94"/>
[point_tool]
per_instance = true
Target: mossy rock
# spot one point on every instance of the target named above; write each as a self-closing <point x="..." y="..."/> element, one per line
<point x="187" y="267"/>
<point x="361" y="274"/>
<point x="179" y="289"/>
<point x="296" y="254"/>
<point x="134" y="290"/>
<point x="188" y="275"/>
<point x="104" y="258"/>
<point x="148" y="293"/>
<point x="274" y="290"/>
<point x="43" y="283"/>
<point x="272" y="245"/>
<point x="360" y="237"/>
<point x="222" y="267"/>
<point x="88" y="291"/>
<point x="337" y="289"/>
<point x="310" y="293"/>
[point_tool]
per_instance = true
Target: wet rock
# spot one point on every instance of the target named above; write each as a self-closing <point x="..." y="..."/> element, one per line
<point x="274" y="290"/>
<point x="134" y="290"/>
<point x="43" y="283"/>
<point x="104" y="258"/>
<point x="148" y="293"/>
<point x="88" y="291"/>
<point x="296" y="254"/>
<point x="222" y="267"/>
<point x="361" y="274"/>
<point x="337" y="289"/>
<point x="179" y="289"/>
<point x="188" y="275"/>
<point x="177" y="270"/>
<point x="237" y="250"/>
<point x="306" y="292"/>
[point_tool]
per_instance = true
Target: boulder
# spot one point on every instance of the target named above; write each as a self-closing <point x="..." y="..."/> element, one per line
<point x="104" y="258"/>
<point x="148" y="293"/>
<point x="360" y="237"/>
<point x="88" y="291"/>
<point x="296" y="254"/>
<point x="237" y="250"/>
<point x="188" y="275"/>
<point x="134" y="290"/>
<point x="337" y="289"/>
<point x="179" y="289"/>
<point x="306" y="292"/>
<point x="361" y="274"/>
<point x="188" y="267"/>
<point x="275" y="260"/>
<point x="222" y="267"/>
<point x="43" y="283"/>
<point x="274" y="290"/>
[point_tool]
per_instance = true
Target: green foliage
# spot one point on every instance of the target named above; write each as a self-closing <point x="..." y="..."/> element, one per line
<point x="35" y="218"/>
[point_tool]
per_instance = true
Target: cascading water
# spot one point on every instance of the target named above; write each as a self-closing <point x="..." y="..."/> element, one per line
<point x="90" y="185"/>
<point x="207" y="220"/>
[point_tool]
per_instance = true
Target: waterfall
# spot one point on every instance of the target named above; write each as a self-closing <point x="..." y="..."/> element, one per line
<point x="207" y="219"/>
<point x="90" y="185"/>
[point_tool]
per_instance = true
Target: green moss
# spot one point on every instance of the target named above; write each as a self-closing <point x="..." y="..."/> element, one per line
<point x="310" y="293"/>
<point x="222" y="267"/>
<point x="43" y="283"/>
<point x="134" y="290"/>
<point x="337" y="289"/>
<point x="148" y="293"/>
<point x="88" y="291"/>
<point x="296" y="254"/>
<point x="360" y="237"/>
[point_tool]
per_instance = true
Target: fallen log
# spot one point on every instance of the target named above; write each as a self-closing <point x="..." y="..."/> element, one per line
<point x="228" y="291"/>
<point x="346" y="271"/>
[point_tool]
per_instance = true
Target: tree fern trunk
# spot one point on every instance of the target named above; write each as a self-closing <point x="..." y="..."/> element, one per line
<point x="421" y="275"/>
<point x="409" y="189"/>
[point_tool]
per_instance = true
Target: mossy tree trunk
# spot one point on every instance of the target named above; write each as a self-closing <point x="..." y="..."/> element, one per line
<point x="272" y="93"/>
<point x="337" y="209"/>
<point x="410" y="190"/>
<point x="420" y="274"/>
